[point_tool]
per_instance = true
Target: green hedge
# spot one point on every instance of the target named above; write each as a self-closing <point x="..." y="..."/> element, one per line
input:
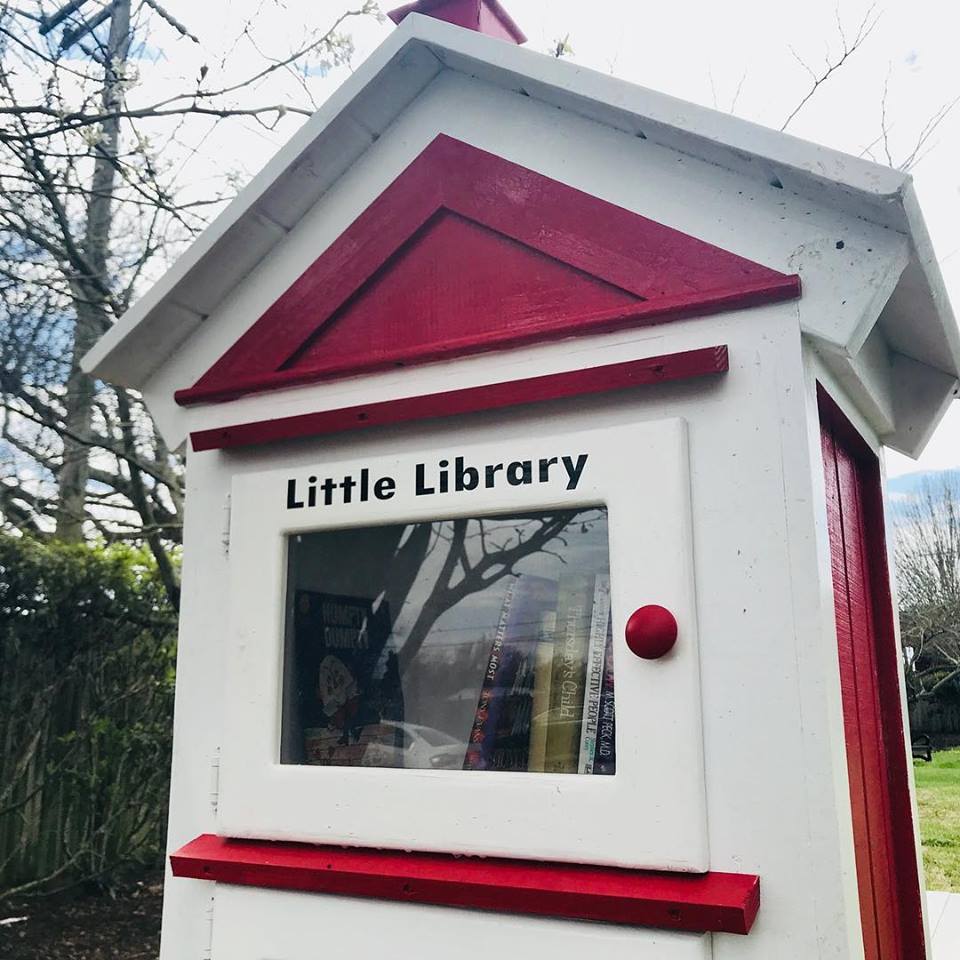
<point x="87" y="648"/>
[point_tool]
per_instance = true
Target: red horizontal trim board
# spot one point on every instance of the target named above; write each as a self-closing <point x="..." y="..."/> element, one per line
<point x="466" y="252"/>
<point x="645" y="314"/>
<point x="702" y="903"/>
<point x="554" y="386"/>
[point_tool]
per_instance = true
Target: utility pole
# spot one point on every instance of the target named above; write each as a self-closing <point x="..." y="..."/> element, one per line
<point x="93" y="316"/>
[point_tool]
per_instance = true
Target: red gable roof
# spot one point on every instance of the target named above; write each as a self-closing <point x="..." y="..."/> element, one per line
<point x="466" y="252"/>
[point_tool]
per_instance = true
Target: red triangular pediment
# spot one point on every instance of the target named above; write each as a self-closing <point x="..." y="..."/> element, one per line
<point x="466" y="252"/>
<point x="451" y="270"/>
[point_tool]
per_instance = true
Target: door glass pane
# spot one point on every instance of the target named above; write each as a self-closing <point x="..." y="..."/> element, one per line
<point x="466" y="644"/>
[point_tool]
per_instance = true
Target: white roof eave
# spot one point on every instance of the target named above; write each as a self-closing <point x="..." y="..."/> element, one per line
<point x="114" y="357"/>
<point x="393" y="76"/>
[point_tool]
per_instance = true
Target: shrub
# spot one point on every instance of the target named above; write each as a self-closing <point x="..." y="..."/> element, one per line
<point x="87" y="648"/>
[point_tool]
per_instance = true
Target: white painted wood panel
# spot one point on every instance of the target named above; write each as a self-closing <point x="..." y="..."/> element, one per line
<point x="944" y="909"/>
<point x="651" y="814"/>
<point x="265" y="925"/>
<point x="778" y="801"/>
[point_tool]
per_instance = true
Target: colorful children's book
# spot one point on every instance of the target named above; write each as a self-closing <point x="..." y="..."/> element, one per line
<point x="348" y="683"/>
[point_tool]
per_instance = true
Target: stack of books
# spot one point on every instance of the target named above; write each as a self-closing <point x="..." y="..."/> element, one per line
<point x="547" y="700"/>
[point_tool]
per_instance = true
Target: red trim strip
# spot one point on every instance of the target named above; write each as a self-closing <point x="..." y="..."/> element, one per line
<point x="644" y="314"/>
<point x="496" y="396"/>
<point x="702" y="903"/>
<point x="870" y="665"/>
<point x="355" y="310"/>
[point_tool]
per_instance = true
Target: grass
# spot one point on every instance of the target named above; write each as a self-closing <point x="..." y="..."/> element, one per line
<point x="938" y="797"/>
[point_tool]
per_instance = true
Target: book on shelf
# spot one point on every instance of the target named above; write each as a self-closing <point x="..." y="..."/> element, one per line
<point x="568" y="672"/>
<point x="499" y="738"/>
<point x="593" y="683"/>
<point x="511" y="747"/>
<point x="349" y="682"/>
<point x="540" y="704"/>
<point x="372" y="745"/>
<point x="605" y="762"/>
<point x="546" y="704"/>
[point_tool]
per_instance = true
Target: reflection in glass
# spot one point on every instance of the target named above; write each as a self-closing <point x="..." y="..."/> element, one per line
<point x="473" y="644"/>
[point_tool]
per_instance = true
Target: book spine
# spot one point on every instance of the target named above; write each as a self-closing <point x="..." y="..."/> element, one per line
<point x="511" y="746"/>
<point x="511" y="743"/>
<point x="594" y="674"/>
<point x="542" y="669"/>
<point x="568" y="673"/>
<point x="485" y="718"/>
<point x="606" y="758"/>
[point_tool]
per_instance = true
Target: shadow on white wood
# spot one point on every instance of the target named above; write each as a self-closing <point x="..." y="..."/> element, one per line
<point x="259" y="925"/>
<point x="943" y="912"/>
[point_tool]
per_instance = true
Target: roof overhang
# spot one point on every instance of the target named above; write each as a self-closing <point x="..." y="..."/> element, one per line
<point x="913" y="310"/>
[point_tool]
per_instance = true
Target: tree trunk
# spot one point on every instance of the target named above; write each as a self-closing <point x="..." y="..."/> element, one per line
<point x="92" y="313"/>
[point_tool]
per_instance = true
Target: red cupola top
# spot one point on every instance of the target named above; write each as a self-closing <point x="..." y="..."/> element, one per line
<point x="484" y="16"/>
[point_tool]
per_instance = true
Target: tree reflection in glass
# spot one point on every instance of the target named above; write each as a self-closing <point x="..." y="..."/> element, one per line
<point x="471" y="643"/>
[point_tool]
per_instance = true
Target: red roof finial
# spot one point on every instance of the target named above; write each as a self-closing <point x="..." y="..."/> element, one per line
<point x="484" y="16"/>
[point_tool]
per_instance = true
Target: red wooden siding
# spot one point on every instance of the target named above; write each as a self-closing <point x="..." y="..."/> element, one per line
<point x="494" y="396"/>
<point x="870" y="684"/>
<point x="484" y="16"/>
<point x="421" y="292"/>
<point x="466" y="252"/>
<point x="711" y="902"/>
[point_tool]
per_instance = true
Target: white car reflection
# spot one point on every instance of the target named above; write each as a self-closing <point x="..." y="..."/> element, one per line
<point x="410" y="745"/>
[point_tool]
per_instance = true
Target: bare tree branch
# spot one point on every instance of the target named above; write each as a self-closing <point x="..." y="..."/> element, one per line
<point x="818" y="78"/>
<point x="90" y="205"/>
<point x="172" y="20"/>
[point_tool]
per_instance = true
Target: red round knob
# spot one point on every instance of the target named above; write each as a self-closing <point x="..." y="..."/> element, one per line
<point x="651" y="632"/>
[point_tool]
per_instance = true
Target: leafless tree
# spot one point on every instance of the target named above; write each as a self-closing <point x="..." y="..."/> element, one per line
<point x="928" y="569"/>
<point x="881" y="149"/>
<point x="822" y="75"/>
<point x="499" y="548"/>
<point x="89" y="208"/>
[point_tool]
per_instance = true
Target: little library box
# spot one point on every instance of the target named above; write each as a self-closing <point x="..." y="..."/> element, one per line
<point x="536" y="599"/>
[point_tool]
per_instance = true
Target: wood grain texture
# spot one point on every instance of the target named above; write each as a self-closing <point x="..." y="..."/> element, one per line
<point x="604" y="379"/>
<point x="882" y="815"/>
<point x="451" y="269"/>
<point x="852" y="729"/>
<point x="711" y="902"/>
<point x="466" y="252"/>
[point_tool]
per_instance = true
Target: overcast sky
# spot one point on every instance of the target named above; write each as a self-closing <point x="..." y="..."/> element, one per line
<point x="743" y="55"/>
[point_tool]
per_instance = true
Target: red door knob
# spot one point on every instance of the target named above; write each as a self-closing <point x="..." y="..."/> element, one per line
<point x="651" y="632"/>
